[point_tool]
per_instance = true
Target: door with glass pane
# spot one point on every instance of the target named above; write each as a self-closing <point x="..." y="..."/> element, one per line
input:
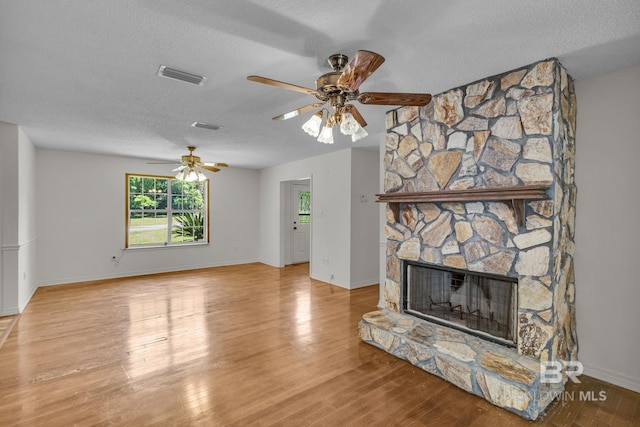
<point x="301" y="222"/>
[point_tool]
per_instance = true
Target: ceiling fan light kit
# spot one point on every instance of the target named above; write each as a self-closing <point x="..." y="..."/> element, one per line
<point x="338" y="88"/>
<point x="190" y="175"/>
<point x="347" y="123"/>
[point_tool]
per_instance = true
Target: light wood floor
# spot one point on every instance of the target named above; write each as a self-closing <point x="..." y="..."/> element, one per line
<point x="6" y="324"/>
<point x="244" y="345"/>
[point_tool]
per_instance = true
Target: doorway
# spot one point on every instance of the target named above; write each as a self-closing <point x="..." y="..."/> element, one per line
<point x="300" y="221"/>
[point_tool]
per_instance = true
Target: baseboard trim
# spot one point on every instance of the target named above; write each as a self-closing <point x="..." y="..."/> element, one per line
<point x="9" y="311"/>
<point x="27" y="299"/>
<point x="364" y="283"/>
<point x="612" y="377"/>
<point x="68" y="280"/>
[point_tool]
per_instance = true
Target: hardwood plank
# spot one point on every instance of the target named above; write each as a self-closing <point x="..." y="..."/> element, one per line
<point x="239" y="345"/>
<point x="626" y="414"/>
<point x="6" y="324"/>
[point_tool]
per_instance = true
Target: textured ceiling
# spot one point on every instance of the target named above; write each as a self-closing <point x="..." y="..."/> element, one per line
<point x="81" y="75"/>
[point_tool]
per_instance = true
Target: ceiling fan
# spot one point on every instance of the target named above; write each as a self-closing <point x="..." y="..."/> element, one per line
<point x="338" y="88"/>
<point x="190" y="166"/>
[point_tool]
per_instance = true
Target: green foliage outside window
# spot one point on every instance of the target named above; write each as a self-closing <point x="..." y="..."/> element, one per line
<point x="191" y="226"/>
<point x="304" y="207"/>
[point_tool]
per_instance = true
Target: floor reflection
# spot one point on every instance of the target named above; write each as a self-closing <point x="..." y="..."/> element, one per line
<point x="303" y="316"/>
<point x="196" y="397"/>
<point x="166" y="331"/>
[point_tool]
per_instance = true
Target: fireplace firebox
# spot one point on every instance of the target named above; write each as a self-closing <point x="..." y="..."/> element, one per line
<point x="481" y="304"/>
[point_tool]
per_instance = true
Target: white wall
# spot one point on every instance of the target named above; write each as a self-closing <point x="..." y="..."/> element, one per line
<point x="365" y="218"/>
<point x="17" y="218"/>
<point x="27" y="219"/>
<point x="331" y="180"/>
<point x="82" y="211"/>
<point x="3" y="183"/>
<point x="9" y="296"/>
<point x="607" y="226"/>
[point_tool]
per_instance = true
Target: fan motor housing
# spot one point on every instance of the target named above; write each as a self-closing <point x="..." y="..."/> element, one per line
<point x="327" y="87"/>
<point x="327" y="83"/>
<point x="190" y="158"/>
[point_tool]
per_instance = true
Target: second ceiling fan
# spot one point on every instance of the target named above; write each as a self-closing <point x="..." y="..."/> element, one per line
<point x="338" y="88"/>
<point x="190" y="166"/>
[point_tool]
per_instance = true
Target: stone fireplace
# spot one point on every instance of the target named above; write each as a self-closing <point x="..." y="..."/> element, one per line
<point x="480" y="194"/>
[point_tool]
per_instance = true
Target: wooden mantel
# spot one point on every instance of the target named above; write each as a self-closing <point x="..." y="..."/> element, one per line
<point x="516" y="196"/>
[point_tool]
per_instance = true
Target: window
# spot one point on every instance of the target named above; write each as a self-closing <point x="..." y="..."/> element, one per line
<point x="164" y="211"/>
<point x="304" y="207"/>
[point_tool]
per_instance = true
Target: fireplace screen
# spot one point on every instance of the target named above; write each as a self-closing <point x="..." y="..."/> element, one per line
<point x="481" y="304"/>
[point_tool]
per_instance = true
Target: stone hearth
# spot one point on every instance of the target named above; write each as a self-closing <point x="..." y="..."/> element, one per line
<point x="512" y="130"/>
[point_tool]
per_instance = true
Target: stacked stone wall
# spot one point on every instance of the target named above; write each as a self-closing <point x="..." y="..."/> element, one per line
<point x="509" y="130"/>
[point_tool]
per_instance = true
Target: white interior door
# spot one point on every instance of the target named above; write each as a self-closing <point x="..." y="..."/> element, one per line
<point x="300" y="222"/>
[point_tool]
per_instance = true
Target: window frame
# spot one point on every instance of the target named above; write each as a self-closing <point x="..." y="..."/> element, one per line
<point x="170" y="213"/>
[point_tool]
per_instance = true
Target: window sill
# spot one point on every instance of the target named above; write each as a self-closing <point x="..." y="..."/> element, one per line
<point x="149" y="247"/>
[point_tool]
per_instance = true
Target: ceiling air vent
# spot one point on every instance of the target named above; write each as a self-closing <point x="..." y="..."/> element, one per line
<point x="183" y="76"/>
<point x="205" y="126"/>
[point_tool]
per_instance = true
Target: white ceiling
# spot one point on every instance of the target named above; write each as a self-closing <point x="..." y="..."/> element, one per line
<point x="81" y="75"/>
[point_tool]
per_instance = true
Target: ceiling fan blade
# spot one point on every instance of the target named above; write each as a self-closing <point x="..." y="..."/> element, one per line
<point x="299" y="111"/>
<point x="356" y="115"/>
<point x="179" y="168"/>
<point x="282" y="85"/>
<point x="217" y="165"/>
<point x="164" y="163"/>
<point x="359" y="69"/>
<point x="391" y="98"/>
<point x="210" y="168"/>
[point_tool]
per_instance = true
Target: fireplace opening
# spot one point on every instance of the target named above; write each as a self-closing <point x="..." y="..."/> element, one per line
<point x="482" y="304"/>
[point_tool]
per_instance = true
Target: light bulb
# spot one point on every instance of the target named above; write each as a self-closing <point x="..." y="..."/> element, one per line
<point x="191" y="176"/>
<point x="359" y="134"/>
<point x="348" y="125"/>
<point x="312" y="126"/>
<point x="326" y="136"/>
